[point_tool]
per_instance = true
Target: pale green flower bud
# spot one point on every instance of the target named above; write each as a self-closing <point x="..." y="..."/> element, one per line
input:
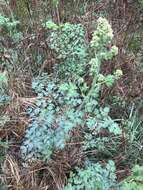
<point x="114" y="50"/>
<point x="118" y="73"/>
<point x="101" y="78"/>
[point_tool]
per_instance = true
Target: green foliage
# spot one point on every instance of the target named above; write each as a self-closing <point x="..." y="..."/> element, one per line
<point x="68" y="42"/>
<point x="101" y="123"/>
<point x="4" y="98"/>
<point x="63" y="106"/>
<point x="55" y="2"/>
<point x="135" y="181"/>
<point x="93" y="177"/>
<point x="8" y="26"/>
<point x="53" y="118"/>
<point x="50" y="25"/>
<point x="3" y="81"/>
<point x="140" y="3"/>
<point x="134" y="135"/>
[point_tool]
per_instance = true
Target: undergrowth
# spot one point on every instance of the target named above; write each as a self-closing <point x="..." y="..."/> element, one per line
<point x="56" y="123"/>
<point x="60" y="106"/>
<point x="93" y="176"/>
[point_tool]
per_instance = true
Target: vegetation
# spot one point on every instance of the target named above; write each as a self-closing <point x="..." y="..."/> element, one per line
<point x="71" y="95"/>
<point x="93" y="177"/>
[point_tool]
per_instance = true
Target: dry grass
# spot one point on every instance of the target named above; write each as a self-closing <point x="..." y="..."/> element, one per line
<point x="39" y="175"/>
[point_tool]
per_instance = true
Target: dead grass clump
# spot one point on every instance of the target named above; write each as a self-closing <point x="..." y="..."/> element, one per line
<point x="39" y="175"/>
